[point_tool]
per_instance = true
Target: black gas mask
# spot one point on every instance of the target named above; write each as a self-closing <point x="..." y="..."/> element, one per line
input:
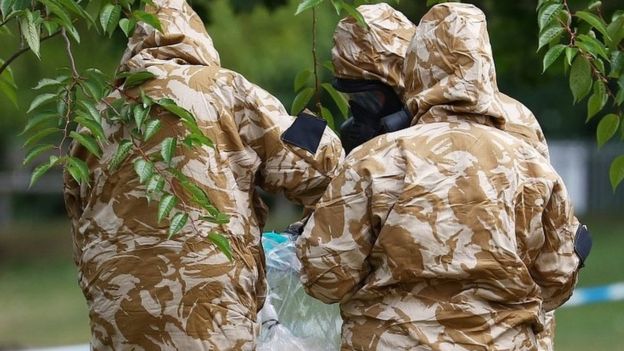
<point x="375" y="108"/>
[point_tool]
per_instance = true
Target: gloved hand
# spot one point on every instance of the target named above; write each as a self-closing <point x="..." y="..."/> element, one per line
<point x="295" y="229"/>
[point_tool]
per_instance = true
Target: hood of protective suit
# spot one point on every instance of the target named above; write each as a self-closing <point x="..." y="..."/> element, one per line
<point x="449" y="68"/>
<point x="183" y="39"/>
<point x="376" y="52"/>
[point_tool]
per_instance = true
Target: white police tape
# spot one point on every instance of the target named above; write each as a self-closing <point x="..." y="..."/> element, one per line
<point x="585" y="296"/>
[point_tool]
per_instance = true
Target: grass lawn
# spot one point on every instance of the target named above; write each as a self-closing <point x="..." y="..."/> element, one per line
<point x="41" y="304"/>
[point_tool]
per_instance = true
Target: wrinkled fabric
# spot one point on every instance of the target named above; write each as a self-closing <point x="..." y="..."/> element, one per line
<point x="451" y="234"/>
<point x="376" y="52"/>
<point x="147" y="292"/>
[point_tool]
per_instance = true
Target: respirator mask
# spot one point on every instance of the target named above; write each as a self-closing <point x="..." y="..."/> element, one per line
<point x="375" y="109"/>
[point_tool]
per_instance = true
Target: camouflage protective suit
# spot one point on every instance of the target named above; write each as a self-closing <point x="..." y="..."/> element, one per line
<point x="145" y="292"/>
<point x="451" y="234"/>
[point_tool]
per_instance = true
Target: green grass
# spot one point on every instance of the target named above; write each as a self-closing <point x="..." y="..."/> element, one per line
<point x="40" y="301"/>
<point x="41" y="304"/>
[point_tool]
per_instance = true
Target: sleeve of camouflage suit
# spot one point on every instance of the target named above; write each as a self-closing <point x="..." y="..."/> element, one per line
<point x="298" y="156"/>
<point x="555" y="267"/>
<point x="338" y="238"/>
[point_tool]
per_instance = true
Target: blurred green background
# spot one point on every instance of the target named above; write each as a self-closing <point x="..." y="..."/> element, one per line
<point x="40" y="303"/>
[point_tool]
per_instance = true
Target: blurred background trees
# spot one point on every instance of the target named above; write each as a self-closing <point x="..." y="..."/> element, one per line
<point x="262" y="39"/>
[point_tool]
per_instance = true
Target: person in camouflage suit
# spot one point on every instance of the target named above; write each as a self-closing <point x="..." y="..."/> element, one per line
<point x="455" y="233"/>
<point x="147" y="292"/>
<point x="377" y="52"/>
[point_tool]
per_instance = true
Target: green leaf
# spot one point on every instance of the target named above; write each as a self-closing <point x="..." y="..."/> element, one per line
<point x="148" y="18"/>
<point x="177" y="223"/>
<point x="78" y="169"/>
<point x="549" y="34"/>
<point x="580" y="78"/>
<point x="434" y="2"/>
<point x="597" y="101"/>
<point x="47" y="82"/>
<point x="328" y="65"/>
<point x="301" y="100"/>
<point x="95" y="90"/>
<point x="29" y="25"/>
<point x="617" y="64"/>
<point x="616" y="172"/>
<point x="73" y="7"/>
<point x="156" y="184"/>
<point x="591" y="46"/>
<point x="40" y="135"/>
<point x="48" y="119"/>
<point x="338" y="98"/>
<point x="152" y="127"/>
<point x="222" y="244"/>
<point x="41" y="170"/>
<point x="196" y="139"/>
<point x="594" y="21"/>
<point x="140" y="114"/>
<point x="570" y="54"/>
<point x="607" y="128"/>
<point x="88" y="142"/>
<point x="143" y="169"/>
<point x="306" y="5"/>
<point x="327" y="116"/>
<point x="548" y="14"/>
<point x="91" y="110"/>
<point x="109" y="18"/>
<point x="198" y="194"/>
<point x="95" y="127"/>
<point x="36" y="151"/>
<point x="127" y="26"/>
<point x="41" y="100"/>
<point x="167" y="203"/>
<point x="337" y="5"/>
<point x="121" y="154"/>
<point x="19" y="5"/>
<point x="56" y="9"/>
<point x="301" y="79"/>
<point x="172" y="107"/>
<point x="5" y="7"/>
<point x="353" y="12"/>
<point x="552" y="55"/>
<point x="7" y="85"/>
<point x="167" y="149"/>
<point x="73" y="32"/>
<point x="616" y="32"/>
<point x="136" y="78"/>
<point x="219" y="218"/>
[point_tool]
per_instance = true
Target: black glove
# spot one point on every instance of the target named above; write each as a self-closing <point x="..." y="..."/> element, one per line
<point x="295" y="229"/>
<point x="582" y="244"/>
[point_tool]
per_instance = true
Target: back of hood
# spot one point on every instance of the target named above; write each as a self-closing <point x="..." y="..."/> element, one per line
<point x="376" y="52"/>
<point x="183" y="39"/>
<point x="449" y="68"/>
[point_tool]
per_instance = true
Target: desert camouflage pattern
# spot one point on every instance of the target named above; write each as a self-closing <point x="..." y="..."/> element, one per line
<point x="451" y="234"/>
<point x="376" y="52"/>
<point x="145" y="292"/>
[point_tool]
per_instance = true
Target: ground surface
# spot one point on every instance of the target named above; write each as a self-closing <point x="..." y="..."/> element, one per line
<point x="40" y="303"/>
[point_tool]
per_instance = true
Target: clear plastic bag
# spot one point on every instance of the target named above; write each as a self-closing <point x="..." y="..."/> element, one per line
<point x="292" y="320"/>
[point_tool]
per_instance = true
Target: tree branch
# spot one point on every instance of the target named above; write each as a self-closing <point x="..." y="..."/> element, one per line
<point x="17" y="54"/>
<point x="317" y="91"/>
<point x="70" y="55"/>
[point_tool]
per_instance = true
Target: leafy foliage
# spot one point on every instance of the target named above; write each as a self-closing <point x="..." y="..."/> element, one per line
<point x="594" y="58"/>
<point x="76" y="107"/>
